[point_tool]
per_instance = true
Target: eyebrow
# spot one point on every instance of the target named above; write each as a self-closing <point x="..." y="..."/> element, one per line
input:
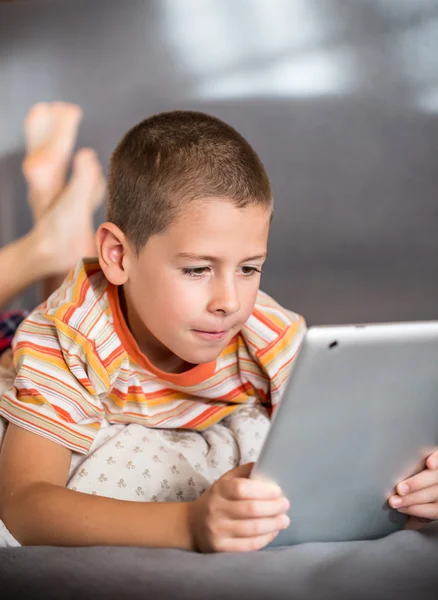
<point x="207" y="258"/>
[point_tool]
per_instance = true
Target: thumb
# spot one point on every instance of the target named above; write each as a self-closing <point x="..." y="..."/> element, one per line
<point x="240" y="471"/>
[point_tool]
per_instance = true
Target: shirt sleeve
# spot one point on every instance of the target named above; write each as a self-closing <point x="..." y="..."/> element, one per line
<point x="59" y="383"/>
<point x="276" y="360"/>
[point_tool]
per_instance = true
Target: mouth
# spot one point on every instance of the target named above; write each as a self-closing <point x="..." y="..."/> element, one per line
<point x="210" y="335"/>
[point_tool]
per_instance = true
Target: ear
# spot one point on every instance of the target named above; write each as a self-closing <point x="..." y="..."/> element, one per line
<point x="114" y="253"/>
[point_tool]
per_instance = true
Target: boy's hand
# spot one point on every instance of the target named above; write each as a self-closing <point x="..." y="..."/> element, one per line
<point x="418" y="495"/>
<point x="237" y="514"/>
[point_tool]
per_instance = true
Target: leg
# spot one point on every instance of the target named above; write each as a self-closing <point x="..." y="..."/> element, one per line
<point x="50" y="132"/>
<point x="63" y="214"/>
<point x="67" y="228"/>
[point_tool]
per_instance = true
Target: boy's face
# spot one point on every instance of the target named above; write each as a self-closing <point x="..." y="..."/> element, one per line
<point x="194" y="286"/>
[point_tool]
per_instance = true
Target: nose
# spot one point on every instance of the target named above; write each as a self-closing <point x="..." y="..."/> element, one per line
<point x="224" y="298"/>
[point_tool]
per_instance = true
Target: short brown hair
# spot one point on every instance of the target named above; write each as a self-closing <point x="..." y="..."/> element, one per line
<point x="173" y="158"/>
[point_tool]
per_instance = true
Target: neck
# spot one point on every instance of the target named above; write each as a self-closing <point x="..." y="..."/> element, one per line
<point x="160" y="356"/>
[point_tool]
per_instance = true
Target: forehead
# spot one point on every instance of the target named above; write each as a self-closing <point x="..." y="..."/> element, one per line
<point x="215" y="218"/>
<point x="216" y="227"/>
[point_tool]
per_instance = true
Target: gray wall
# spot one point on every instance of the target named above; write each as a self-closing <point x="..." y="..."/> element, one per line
<point x="340" y="99"/>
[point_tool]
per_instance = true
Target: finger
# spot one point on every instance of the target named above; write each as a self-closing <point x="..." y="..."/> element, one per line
<point x="249" y="489"/>
<point x="249" y="544"/>
<point x="259" y="527"/>
<point x="414" y="523"/>
<point x="254" y="509"/>
<point x="429" y="494"/>
<point x="422" y="480"/>
<point x="240" y="471"/>
<point x="432" y="461"/>
<point x="422" y="511"/>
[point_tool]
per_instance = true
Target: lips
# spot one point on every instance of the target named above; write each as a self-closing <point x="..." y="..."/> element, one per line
<point x="210" y="335"/>
<point x="211" y="330"/>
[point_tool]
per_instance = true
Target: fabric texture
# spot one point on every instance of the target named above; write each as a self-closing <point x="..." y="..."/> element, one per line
<point x="402" y="566"/>
<point x="140" y="464"/>
<point x="78" y="366"/>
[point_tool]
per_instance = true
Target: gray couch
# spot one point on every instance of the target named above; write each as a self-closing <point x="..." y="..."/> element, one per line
<point x="402" y="566"/>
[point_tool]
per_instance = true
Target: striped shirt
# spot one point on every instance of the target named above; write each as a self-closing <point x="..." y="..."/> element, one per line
<point x="78" y="366"/>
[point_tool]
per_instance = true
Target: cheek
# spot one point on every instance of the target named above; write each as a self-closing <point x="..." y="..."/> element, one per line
<point x="248" y="296"/>
<point x="176" y="298"/>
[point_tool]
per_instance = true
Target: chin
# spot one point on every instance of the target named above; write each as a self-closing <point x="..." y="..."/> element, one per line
<point x="203" y="356"/>
<point x="199" y="353"/>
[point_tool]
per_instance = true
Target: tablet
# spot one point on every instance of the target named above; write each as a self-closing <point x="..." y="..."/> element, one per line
<point x="359" y="414"/>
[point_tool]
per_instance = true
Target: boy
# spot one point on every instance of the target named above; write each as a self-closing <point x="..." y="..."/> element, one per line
<point x="166" y="330"/>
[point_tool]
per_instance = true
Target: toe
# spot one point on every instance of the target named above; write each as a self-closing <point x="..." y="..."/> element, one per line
<point x="85" y="159"/>
<point x="37" y="125"/>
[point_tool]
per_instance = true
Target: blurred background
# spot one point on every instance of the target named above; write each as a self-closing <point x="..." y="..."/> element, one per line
<point x="338" y="97"/>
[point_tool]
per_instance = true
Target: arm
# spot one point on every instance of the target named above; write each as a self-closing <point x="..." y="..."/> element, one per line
<point x="234" y="514"/>
<point x="34" y="503"/>
<point x="38" y="510"/>
<point x="21" y="264"/>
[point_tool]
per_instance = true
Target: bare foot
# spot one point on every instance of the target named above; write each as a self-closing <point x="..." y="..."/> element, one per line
<point x="66" y="229"/>
<point x="50" y="131"/>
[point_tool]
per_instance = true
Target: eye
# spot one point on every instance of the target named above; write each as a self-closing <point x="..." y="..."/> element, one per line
<point x="250" y="271"/>
<point x="195" y="272"/>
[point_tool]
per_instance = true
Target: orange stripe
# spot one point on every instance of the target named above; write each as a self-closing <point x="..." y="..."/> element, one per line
<point x="174" y="414"/>
<point x="236" y="392"/>
<point x="205" y="415"/>
<point x="63" y="413"/>
<point x="46" y="418"/>
<point x="38" y="324"/>
<point x="224" y="412"/>
<point x="63" y="384"/>
<point x="27" y="345"/>
<point x="290" y="330"/>
<point x="79" y="300"/>
<point x="116" y="353"/>
<point x="266" y="321"/>
<point x="87" y="314"/>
